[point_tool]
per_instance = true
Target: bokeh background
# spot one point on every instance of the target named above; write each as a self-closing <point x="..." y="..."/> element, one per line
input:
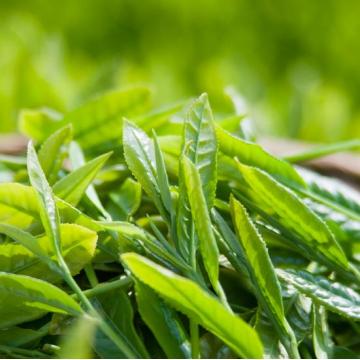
<point x="296" y="63"/>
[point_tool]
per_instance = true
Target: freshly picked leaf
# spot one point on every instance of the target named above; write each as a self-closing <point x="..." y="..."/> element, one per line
<point x="53" y="152"/>
<point x="262" y="274"/>
<point x="200" y="148"/>
<point x="140" y="156"/>
<point x="254" y="155"/>
<point x="189" y="298"/>
<point x="292" y="213"/>
<point x="72" y="187"/>
<point x="201" y="218"/>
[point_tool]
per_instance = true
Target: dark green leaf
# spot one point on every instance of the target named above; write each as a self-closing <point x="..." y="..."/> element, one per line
<point x="164" y="323"/>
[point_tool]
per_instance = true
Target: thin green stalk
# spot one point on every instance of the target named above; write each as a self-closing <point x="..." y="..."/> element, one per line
<point x="18" y="352"/>
<point x="108" y="286"/>
<point x="194" y="339"/>
<point x="291" y="345"/>
<point x="91" y="275"/>
<point x="103" y="325"/>
<point x="193" y="263"/>
<point x="323" y="150"/>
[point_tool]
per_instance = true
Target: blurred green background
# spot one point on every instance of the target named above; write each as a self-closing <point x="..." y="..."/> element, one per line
<point x="296" y="63"/>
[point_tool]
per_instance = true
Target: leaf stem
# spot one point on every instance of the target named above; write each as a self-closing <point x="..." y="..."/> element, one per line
<point x="103" y="325"/>
<point x="15" y="352"/>
<point x="90" y="274"/>
<point x="194" y="338"/>
<point x="108" y="286"/>
<point x="323" y="150"/>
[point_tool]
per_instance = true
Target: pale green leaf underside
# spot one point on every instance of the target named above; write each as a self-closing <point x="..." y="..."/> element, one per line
<point x="334" y="296"/>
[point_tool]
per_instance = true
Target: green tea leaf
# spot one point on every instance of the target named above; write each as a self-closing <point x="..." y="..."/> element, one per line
<point x="101" y="119"/>
<point x="39" y="124"/>
<point x="201" y="218"/>
<point x="48" y="211"/>
<point x="234" y="249"/>
<point x="27" y="240"/>
<point x="254" y="155"/>
<point x="332" y="295"/>
<point x="77" y="159"/>
<point x="332" y="193"/>
<point x="199" y="145"/>
<point x="188" y="297"/>
<point x="140" y="156"/>
<point x="18" y="205"/>
<point x="163" y="181"/>
<point x="24" y="298"/>
<point x="262" y="274"/>
<point x="53" y="151"/>
<point x="127" y="199"/>
<point x="72" y="187"/>
<point x="31" y="254"/>
<point x="291" y="212"/>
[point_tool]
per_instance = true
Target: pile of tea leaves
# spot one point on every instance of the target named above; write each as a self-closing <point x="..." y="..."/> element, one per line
<point x="133" y="232"/>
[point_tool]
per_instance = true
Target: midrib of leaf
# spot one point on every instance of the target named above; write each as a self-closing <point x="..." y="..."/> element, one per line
<point x="147" y="160"/>
<point x="197" y="133"/>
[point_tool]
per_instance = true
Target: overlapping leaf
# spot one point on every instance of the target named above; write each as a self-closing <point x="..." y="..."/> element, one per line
<point x="24" y="298"/>
<point x="291" y="212"/>
<point x="189" y="298"/>
<point x="332" y="295"/>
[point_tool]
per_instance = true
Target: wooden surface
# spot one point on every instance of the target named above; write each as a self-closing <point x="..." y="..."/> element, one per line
<point x="343" y="165"/>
